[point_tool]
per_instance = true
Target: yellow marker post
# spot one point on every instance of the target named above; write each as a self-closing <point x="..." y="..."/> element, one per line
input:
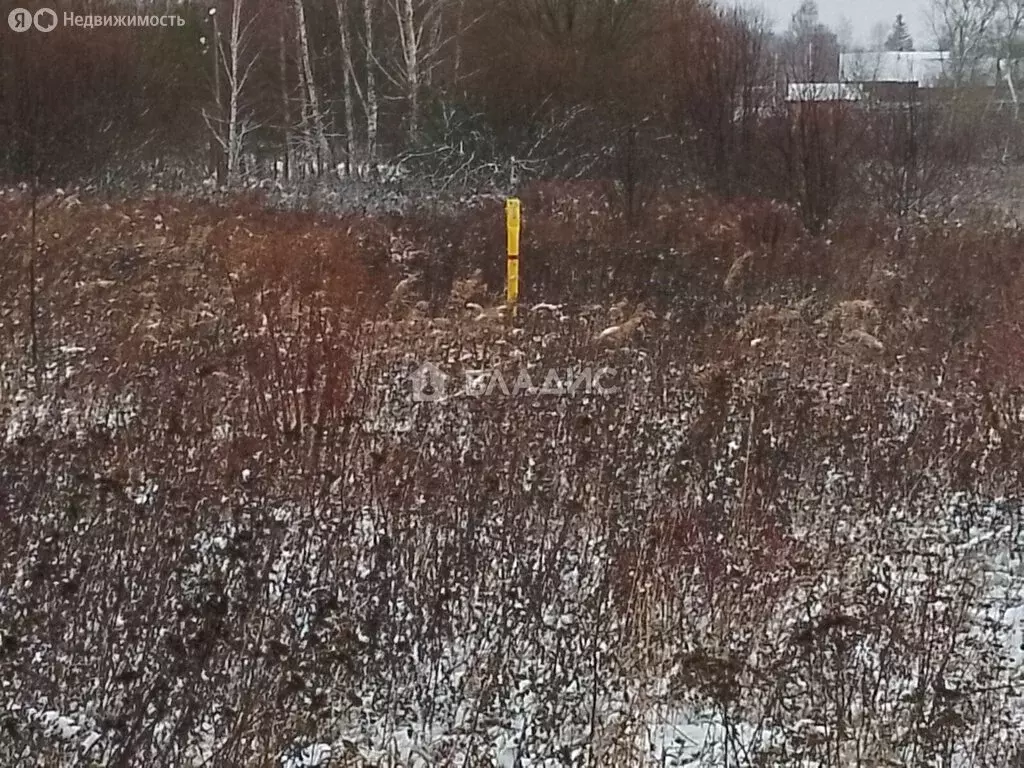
<point x="512" y="227"/>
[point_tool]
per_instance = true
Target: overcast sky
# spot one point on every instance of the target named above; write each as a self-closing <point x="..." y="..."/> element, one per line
<point x="862" y="15"/>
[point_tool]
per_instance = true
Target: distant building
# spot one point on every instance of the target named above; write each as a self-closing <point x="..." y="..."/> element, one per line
<point x="929" y="69"/>
<point x="894" y="79"/>
<point x="821" y="101"/>
<point x="926" y="68"/>
<point x="809" y="92"/>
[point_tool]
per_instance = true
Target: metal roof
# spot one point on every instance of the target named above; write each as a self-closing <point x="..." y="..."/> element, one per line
<point x="923" y="67"/>
<point x="824" y="92"/>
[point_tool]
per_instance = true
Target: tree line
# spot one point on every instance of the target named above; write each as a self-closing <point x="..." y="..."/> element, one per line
<point x="467" y="92"/>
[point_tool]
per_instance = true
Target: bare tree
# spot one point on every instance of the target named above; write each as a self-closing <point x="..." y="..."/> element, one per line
<point x="877" y="37"/>
<point x="728" y="89"/>
<point x="371" y="101"/>
<point x="591" y="26"/>
<point x="421" y="41"/>
<point x="30" y="259"/>
<point x="286" y="105"/>
<point x="367" y="93"/>
<point x="460" y="25"/>
<point x="909" y="154"/>
<point x="1007" y="44"/>
<point x="411" y="37"/>
<point x="312" y="115"/>
<point x="844" y="33"/>
<point x="816" y="145"/>
<point x="348" y="86"/>
<point x="811" y="48"/>
<point x="964" y="28"/>
<point x="237" y="57"/>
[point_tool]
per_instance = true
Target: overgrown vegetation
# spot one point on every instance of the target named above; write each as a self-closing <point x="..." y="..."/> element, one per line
<point x="790" y="537"/>
<point x="787" y="535"/>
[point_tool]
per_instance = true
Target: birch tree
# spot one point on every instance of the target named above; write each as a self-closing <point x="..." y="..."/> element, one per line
<point x="286" y="106"/>
<point x="1009" y="50"/>
<point x="312" y="115"/>
<point x="365" y="153"/>
<point x="411" y="17"/>
<point x="422" y="42"/>
<point x="367" y="91"/>
<point x="370" y="102"/>
<point x="237" y="55"/>
<point x="1008" y="42"/>
<point x="348" y="85"/>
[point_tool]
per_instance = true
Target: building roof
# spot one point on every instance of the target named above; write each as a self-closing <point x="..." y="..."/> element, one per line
<point x="924" y="67"/>
<point x="824" y="92"/>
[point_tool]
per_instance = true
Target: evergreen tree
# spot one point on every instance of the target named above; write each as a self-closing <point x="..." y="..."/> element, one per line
<point x="899" y="38"/>
<point x="806" y="21"/>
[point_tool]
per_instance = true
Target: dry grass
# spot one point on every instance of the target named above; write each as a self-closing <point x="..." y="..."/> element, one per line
<point x="270" y="542"/>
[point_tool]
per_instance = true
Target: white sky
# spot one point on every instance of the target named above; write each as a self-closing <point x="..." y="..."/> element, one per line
<point x="862" y="15"/>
